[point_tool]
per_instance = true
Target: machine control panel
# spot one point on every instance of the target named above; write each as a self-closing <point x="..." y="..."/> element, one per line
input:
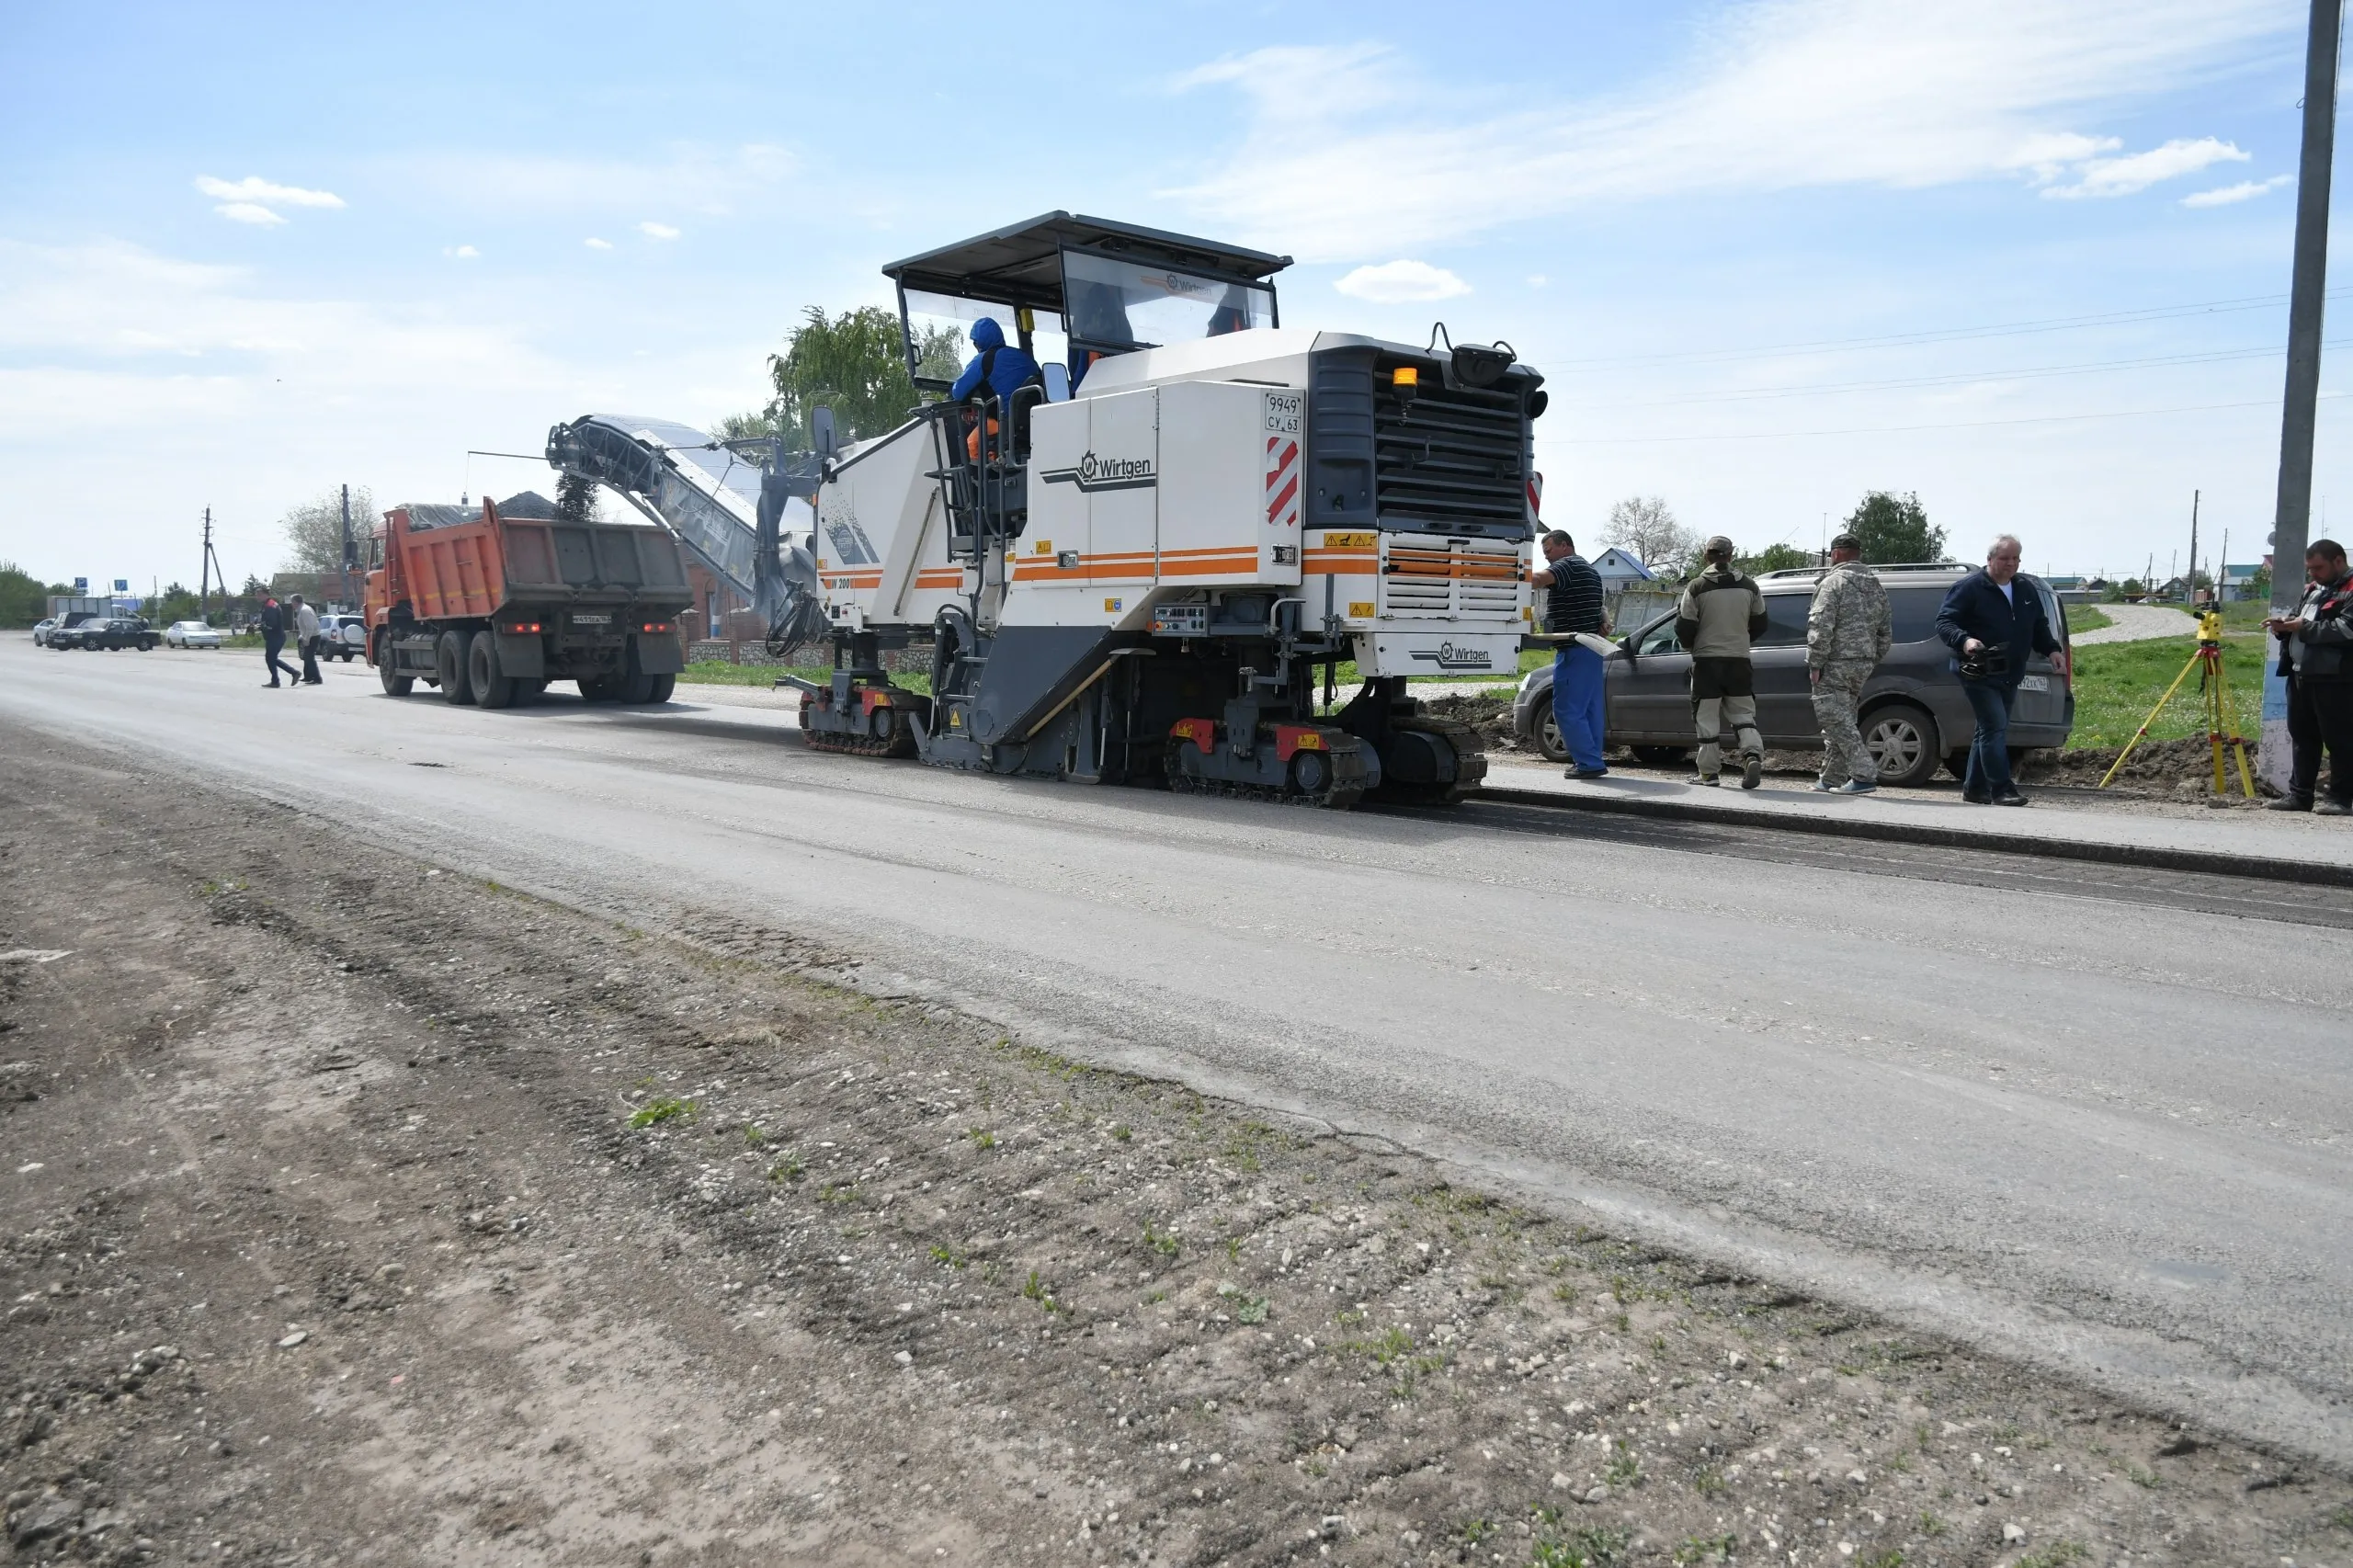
<point x="1180" y="621"/>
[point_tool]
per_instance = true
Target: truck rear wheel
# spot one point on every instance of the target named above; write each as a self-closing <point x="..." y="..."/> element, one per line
<point x="450" y="662"/>
<point x="493" y="687"/>
<point x="661" y="688"/>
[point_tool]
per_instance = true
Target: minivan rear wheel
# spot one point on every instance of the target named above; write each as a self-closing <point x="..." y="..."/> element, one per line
<point x="1903" y="740"/>
<point x="1548" y="738"/>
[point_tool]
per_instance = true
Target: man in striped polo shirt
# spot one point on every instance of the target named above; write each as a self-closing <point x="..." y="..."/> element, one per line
<point x="1572" y="602"/>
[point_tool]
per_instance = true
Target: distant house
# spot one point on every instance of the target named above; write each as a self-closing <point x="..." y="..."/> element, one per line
<point x="1619" y="570"/>
<point x="2238" y="581"/>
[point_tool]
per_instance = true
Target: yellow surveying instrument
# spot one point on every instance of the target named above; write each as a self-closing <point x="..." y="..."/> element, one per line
<point x="2216" y="691"/>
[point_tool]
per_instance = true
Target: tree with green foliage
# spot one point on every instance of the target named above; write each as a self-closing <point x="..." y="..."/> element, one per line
<point x="1774" y="558"/>
<point x="852" y="363"/>
<point x="314" y="530"/>
<point x="24" y="599"/>
<point x="1894" y="528"/>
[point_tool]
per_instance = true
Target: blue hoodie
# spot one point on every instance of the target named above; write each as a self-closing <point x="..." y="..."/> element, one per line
<point x="1003" y="367"/>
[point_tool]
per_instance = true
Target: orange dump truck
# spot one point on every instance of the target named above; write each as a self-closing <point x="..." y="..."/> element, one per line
<point x="492" y="605"/>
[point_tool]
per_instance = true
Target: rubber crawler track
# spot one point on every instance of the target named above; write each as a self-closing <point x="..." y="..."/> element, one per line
<point x="900" y="742"/>
<point x="1469" y="758"/>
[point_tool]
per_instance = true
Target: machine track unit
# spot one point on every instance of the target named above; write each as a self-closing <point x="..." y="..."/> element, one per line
<point x="1146" y="563"/>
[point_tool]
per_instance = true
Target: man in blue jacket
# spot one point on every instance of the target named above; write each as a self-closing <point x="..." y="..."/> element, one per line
<point x="1993" y="622"/>
<point x="1004" y="368"/>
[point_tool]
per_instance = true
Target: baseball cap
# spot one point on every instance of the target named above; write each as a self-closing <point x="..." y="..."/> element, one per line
<point x="1846" y="541"/>
<point x="1717" y="545"/>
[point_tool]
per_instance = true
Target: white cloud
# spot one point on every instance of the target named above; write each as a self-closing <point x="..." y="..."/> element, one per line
<point x="1337" y="161"/>
<point x="688" y="177"/>
<point x="1537" y="281"/>
<point x="593" y="243"/>
<point x="1401" y="282"/>
<point x="657" y="231"/>
<point x="249" y="212"/>
<point x="462" y="253"/>
<point x="2246" y="190"/>
<point x="2138" y="171"/>
<point x="253" y="187"/>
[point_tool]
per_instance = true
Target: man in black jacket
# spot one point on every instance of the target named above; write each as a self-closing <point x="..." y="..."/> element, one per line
<point x="2316" y="655"/>
<point x="1993" y="622"/>
<point x="273" y="641"/>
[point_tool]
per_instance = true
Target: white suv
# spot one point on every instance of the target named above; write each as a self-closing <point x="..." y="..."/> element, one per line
<point x="343" y="636"/>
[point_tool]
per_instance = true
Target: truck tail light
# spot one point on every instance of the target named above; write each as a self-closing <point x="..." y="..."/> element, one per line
<point x="521" y="626"/>
<point x="657" y="626"/>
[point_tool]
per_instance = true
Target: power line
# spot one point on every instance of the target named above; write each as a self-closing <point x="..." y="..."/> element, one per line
<point x="1943" y="335"/>
<point x="1900" y="430"/>
<point x="1957" y="378"/>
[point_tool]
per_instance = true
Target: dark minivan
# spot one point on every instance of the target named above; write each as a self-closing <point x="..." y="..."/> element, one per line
<point x="1913" y="711"/>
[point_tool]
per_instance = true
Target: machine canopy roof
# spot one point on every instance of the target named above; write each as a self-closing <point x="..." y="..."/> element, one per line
<point x="1022" y="264"/>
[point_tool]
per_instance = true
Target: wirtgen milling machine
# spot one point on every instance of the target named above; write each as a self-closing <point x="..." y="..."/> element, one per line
<point x="1146" y="576"/>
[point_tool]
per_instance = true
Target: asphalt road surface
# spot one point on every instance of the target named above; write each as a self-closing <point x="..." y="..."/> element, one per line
<point x="2077" y="1115"/>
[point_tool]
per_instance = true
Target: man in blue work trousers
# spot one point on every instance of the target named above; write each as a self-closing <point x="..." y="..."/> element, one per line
<point x="1572" y="602"/>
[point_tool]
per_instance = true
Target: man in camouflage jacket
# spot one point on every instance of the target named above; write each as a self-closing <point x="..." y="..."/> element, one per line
<point x="1847" y="634"/>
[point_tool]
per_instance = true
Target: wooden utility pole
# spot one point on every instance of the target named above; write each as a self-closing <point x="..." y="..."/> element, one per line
<point x="2189" y="584"/>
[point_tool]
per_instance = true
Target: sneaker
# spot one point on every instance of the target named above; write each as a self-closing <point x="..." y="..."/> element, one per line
<point x="1857" y="786"/>
<point x="1969" y="799"/>
<point x="2015" y="798"/>
<point x="2325" y="808"/>
<point x="1586" y="773"/>
<point x="1707" y="779"/>
<point x="1752" y="772"/>
<point x="2290" y="804"/>
<point x="1823" y="786"/>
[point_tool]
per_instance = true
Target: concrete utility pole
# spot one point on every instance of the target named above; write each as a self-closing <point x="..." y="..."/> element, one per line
<point x="2191" y="581"/>
<point x="204" y="574"/>
<point x="2308" y="290"/>
<point x="346" y="557"/>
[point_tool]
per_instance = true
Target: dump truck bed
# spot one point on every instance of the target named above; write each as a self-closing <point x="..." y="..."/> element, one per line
<point x="467" y="571"/>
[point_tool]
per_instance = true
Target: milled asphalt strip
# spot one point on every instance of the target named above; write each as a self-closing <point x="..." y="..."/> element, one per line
<point x="2252" y="898"/>
<point x="2211" y="862"/>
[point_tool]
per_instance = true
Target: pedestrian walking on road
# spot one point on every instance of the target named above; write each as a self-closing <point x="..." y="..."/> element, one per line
<point x="2316" y="655"/>
<point x="306" y="640"/>
<point x="1993" y="622"/>
<point x="273" y="641"/>
<point x="1847" y="632"/>
<point x="1573" y="604"/>
<point x="1719" y="619"/>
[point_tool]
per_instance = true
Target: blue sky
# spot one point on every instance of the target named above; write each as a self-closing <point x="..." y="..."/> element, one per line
<point x="1771" y="254"/>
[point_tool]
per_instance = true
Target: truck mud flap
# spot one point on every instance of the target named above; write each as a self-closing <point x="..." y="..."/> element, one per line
<point x="659" y="654"/>
<point x="523" y="656"/>
<point x="1030" y="669"/>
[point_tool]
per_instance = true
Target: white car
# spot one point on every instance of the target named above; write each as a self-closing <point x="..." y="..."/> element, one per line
<point x="343" y="636"/>
<point x="190" y="634"/>
<point x="41" y="631"/>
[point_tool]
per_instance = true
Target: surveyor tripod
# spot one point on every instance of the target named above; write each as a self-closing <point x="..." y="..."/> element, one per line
<point x="2214" y="689"/>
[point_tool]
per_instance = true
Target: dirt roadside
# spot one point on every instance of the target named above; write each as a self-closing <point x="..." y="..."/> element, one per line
<point x="352" y="1211"/>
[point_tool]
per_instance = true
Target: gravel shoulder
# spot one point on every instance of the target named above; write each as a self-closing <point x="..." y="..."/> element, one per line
<point x="353" y="1211"/>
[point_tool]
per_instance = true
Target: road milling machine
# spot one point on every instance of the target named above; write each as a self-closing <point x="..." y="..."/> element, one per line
<point x="1142" y="565"/>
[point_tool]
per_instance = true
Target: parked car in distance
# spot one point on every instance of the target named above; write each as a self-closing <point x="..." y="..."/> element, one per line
<point x="110" y="633"/>
<point x="192" y="634"/>
<point x="343" y="636"/>
<point x="71" y="621"/>
<point x="1913" y="711"/>
<point x="42" y="630"/>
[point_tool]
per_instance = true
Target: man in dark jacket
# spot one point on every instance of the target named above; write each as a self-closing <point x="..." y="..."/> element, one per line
<point x="1993" y="620"/>
<point x="273" y="641"/>
<point x="2316" y="655"/>
<point x="1574" y="603"/>
<point x="1718" y="620"/>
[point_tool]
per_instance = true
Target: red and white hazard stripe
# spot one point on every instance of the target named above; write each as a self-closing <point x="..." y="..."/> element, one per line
<point x="1282" y="482"/>
<point x="1535" y="497"/>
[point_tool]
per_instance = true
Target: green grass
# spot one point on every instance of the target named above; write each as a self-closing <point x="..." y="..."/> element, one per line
<point x="2083" y="618"/>
<point x="719" y="672"/>
<point x="662" y="1110"/>
<point x="2118" y="683"/>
